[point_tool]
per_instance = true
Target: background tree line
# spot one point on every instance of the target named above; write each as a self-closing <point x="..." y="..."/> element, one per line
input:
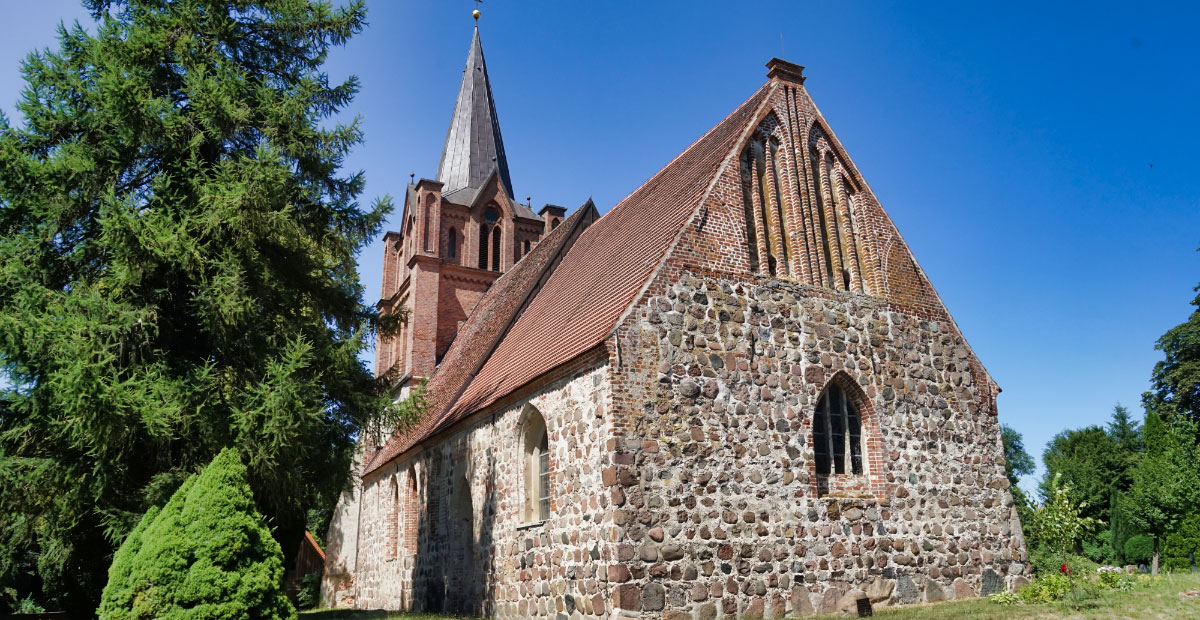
<point x="1140" y="480"/>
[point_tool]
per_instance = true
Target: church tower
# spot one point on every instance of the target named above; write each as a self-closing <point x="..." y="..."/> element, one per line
<point x="458" y="234"/>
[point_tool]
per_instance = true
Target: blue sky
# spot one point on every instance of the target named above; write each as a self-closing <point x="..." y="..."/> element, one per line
<point x="1041" y="161"/>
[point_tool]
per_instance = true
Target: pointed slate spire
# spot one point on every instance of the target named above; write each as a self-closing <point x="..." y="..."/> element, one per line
<point x="473" y="145"/>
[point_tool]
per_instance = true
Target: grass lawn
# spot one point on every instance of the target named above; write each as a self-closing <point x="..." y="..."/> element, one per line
<point x="1160" y="601"/>
<point x="350" y="614"/>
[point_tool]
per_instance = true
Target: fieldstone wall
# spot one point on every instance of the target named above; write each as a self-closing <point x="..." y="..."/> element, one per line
<point x="458" y="544"/>
<point x="716" y="504"/>
<point x="341" y="545"/>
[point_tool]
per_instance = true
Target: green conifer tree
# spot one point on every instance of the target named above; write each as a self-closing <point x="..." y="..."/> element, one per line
<point x="117" y="598"/>
<point x="207" y="555"/>
<point x="1182" y="546"/>
<point x="177" y="274"/>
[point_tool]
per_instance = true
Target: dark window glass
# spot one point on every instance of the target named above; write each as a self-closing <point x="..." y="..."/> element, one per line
<point x="452" y="243"/>
<point x="496" y="248"/>
<point x="855" y="439"/>
<point x="821" y="441"/>
<point x="837" y="434"/>
<point x="839" y="431"/>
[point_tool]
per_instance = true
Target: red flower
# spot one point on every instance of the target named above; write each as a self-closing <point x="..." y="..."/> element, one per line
<point x="1063" y="570"/>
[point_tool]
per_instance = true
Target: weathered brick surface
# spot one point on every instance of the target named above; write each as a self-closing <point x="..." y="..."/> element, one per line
<point x="438" y="289"/>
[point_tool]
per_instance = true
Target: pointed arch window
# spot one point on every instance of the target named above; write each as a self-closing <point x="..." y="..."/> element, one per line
<point x="452" y="243"/>
<point x="536" y="443"/>
<point x="483" y="246"/>
<point x="496" y="243"/>
<point x="427" y="223"/>
<point x="409" y="541"/>
<point x="489" y="230"/>
<point x="837" y="434"/>
<point x="393" y="537"/>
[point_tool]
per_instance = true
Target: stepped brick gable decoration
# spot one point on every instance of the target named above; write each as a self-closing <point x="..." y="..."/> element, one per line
<point x="734" y="395"/>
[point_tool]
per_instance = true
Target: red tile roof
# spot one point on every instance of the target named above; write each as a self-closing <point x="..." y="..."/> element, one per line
<point x="586" y="295"/>
<point x="488" y="322"/>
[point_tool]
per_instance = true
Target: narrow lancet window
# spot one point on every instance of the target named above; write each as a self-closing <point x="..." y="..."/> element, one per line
<point x="483" y="246"/>
<point x="427" y="223"/>
<point x="393" y="540"/>
<point x="496" y="243"/>
<point x="409" y="534"/>
<point x="837" y="434"/>
<point x="537" y="466"/>
<point x="544" y="476"/>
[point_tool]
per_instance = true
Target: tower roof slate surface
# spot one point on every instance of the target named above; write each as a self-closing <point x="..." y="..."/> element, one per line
<point x="473" y="146"/>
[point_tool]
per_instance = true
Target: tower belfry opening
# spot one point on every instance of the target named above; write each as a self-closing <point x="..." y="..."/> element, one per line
<point x="463" y="230"/>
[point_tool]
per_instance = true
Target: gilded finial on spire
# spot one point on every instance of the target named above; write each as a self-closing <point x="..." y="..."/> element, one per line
<point x="476" y="12"/>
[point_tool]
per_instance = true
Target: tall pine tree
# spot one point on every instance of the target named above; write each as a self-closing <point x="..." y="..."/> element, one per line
<point x="177" y="274"/>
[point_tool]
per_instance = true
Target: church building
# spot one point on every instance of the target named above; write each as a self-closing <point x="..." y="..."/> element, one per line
<point x="734" y="395"/>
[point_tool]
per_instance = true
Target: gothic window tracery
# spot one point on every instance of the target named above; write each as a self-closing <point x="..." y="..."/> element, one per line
<point x="837" y="434"/>
<point x="489" y="239"/>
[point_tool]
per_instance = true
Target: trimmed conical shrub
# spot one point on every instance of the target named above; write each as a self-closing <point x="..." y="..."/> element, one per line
<point x="205" y="555"/>
<point x="117" y="598"/>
